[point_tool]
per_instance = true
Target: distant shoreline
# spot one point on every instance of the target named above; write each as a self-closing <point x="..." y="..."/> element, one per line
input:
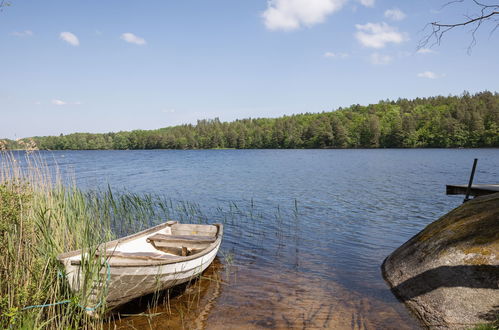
<point x="221" y="149"/>
<point x="465" y="121"/>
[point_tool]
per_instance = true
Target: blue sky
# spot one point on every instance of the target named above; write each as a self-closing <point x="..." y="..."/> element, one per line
<point x="100" y="66"/>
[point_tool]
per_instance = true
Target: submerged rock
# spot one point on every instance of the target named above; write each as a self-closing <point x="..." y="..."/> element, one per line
<point x="448" y="274"/>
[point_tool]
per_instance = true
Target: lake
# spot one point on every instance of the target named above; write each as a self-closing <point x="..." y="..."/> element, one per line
<point x="305" y="230"/>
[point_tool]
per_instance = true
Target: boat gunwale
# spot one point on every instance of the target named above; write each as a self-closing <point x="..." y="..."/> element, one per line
<point x="151" y="263"/>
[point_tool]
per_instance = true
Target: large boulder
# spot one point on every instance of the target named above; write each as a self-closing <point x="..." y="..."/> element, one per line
<point x="448" y="274"/>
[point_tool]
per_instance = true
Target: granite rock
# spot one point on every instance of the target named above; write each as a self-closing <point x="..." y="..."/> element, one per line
<point x="448" y="274"/>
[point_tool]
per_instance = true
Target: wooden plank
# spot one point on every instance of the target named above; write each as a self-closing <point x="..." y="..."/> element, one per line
<point x="182" y="238"/>
<point x="190" y="229"/>
<point x="476" y="189"/>
<point x="134" y="255"/>
<point x="144" y="257"/>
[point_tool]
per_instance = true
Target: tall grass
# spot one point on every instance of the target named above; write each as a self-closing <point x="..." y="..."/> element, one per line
<point x="41" y="218"/>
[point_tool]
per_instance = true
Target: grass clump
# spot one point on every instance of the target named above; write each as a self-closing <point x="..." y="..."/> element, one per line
<point x="491" y="326"/>
<point x="40" y="218"/>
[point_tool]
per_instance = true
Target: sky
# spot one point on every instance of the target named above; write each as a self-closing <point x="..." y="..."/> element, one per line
<point x="107" y="66"/>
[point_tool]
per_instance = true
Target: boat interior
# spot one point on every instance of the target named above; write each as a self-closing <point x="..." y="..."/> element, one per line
<point x="162" y="243"/>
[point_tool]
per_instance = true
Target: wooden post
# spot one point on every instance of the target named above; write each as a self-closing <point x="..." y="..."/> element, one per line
<point x="467" y="198"/>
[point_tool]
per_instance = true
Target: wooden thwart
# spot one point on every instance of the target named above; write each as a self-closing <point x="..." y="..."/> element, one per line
<point x="181" y="245"/>
<point x="182" y="239"/>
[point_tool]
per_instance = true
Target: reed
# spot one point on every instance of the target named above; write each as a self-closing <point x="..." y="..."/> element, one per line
<point x="40" y="217"/>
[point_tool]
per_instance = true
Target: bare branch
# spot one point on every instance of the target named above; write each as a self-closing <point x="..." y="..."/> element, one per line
<point x="486" y="13"/>
<point x="3" y="4"/>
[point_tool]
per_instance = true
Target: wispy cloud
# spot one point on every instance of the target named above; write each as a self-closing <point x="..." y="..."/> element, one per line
<point x="25" y="33"/>
<point x="58" y="102"/>
<point x="367" y="3"/>
<point x="425" y="51"/>
<point x="430" y="75"/>
<point x="133" y="39"/>
<point x="377" y="35"/>
<point x="70" y="38"/>
<point x="395" y="14"/>
<point x="293" y="14"/>
<point x="336" y="55"/>
<point x="380" y="59"/>
<point x="61" y="102"/>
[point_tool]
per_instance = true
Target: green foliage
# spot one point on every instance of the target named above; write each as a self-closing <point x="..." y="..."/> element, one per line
<point x="444" y="122"/>
<point x="493" y="326"/>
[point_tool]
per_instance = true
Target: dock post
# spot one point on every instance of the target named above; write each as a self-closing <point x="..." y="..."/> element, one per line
<point x="470" y="182"/>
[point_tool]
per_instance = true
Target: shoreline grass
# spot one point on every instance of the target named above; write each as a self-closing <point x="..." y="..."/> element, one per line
<point x="39" y="219"/>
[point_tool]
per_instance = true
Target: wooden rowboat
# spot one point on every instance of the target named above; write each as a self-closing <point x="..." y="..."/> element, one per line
<point x="151" y="260"/>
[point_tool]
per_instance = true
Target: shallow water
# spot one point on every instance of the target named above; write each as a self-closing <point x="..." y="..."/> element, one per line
<point x="305" y="230"/>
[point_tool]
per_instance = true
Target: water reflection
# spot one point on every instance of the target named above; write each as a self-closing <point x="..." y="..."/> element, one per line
<point x="183" y="306"/>
<point x="253" y="297"/>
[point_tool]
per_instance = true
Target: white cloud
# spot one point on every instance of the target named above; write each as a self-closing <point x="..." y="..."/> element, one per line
<point x="133" y="39"/>
<point x="58" y="102"/>
<point x="380" y="59"/>
<point x="367" y="3"/>
<point x="377" y="35"/>
<point x="425" y="51"/>
<point x="25" y="33"/>
<point x="336" y="55"/>
<point x="69" y="38"/>
<point x="430" y="75"/>
<point x="395" y="14"/>
<point x="61" y="102"/>
<point x="292" y="14"/>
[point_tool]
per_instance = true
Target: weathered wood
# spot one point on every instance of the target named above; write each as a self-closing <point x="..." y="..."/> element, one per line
<point x="191" y="229"/>
<point x="182" y="238"/>
<point x="475" y="190"/>
<point x="134" y="255"/>
<point x="183" y="245"/>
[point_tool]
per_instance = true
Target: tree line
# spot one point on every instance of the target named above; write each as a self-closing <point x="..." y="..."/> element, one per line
<point x="443" y="122"/>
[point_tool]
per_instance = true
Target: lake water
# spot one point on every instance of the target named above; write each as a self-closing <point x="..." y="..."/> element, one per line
<point x="314" y="226"/>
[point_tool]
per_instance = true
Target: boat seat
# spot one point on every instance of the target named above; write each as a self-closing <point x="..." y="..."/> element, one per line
<point x="180" y="245"/>
<point x="182" y="239"/>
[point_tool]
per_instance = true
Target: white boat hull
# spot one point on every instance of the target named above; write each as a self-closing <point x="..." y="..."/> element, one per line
<point x="122" y="283"/>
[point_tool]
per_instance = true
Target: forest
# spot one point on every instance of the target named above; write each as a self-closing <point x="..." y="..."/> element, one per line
<point x="434" y="122"/>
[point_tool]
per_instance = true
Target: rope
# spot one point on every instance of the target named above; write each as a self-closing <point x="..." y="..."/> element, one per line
<point x="46" y="305"/>
<point x="89" y="309"/>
